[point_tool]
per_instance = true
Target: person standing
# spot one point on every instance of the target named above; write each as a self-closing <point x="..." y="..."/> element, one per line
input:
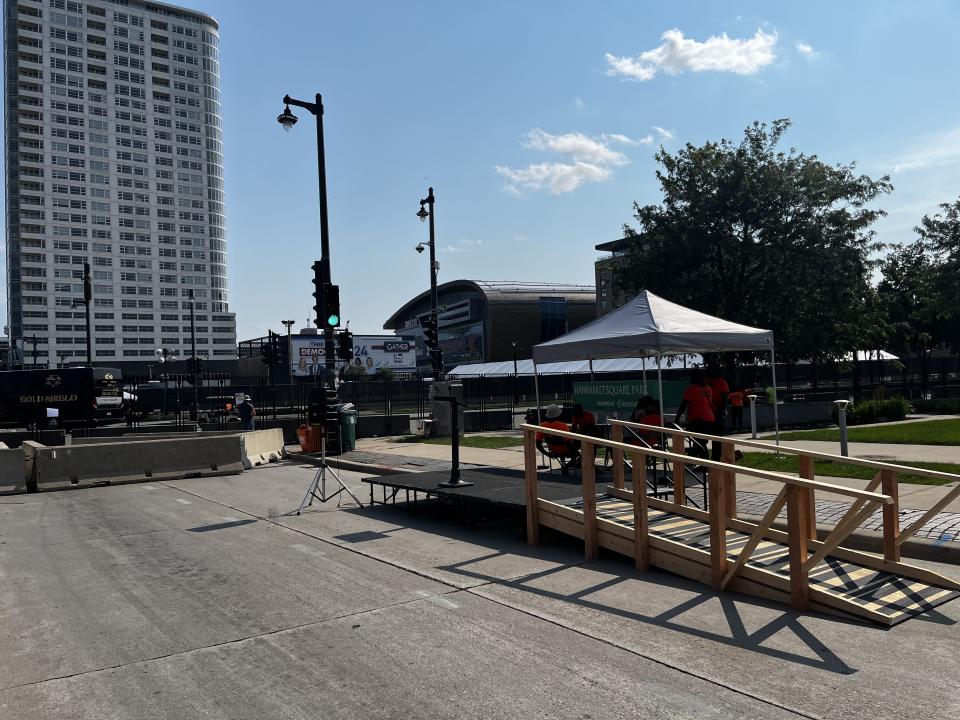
<point x="719" y="391"/>
<point x="247" y="413"/>
<point x="736" y="399"/>
<point x="697" y="405"/>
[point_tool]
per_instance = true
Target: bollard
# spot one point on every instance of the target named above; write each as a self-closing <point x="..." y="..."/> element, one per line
<point x="842" y="422"/>
<point x="753" y="416"/>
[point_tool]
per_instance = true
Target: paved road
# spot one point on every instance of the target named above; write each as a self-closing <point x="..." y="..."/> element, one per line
<point x="193" y="599"/>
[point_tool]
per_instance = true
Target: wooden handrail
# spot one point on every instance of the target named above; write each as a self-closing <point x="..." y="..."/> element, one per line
<point x="786" y="449"/>
<point x="687" y="459"/>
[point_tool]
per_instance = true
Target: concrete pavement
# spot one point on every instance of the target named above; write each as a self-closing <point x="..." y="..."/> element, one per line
<point x="192" y="598"/>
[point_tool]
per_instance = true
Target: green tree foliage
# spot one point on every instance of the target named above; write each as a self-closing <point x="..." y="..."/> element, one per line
<point x="764" y="237"/>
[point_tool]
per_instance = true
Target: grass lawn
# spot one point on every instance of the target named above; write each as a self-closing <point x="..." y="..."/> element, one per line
<point x="791" y="464"/>
<point x="489" y="442"/>
<point x="929" y="432"/>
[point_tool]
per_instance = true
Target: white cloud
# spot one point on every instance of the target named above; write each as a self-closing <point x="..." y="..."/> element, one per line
<point x="462" y="245"/>
<point x="805" y="49"/>
<point x="556" y="177"/>
<point x="578" y="102"/>
<point x="677" y="54"/>
<point x="933" y="151"/>
<point x="576" y="145"/>
<point x="585" y="159"/>
<point x="663" y="133"/>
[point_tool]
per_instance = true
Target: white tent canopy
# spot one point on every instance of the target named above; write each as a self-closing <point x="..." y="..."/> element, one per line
<point x="649" y="326"/>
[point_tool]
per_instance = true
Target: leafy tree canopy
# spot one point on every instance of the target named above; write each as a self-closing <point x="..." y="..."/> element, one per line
<point x="765" y="237"/>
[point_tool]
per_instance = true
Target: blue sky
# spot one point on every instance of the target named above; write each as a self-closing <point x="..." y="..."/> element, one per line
<point x="536" y="141"/>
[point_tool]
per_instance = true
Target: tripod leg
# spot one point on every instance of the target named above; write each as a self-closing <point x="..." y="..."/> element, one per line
<point x="311" y="491"/>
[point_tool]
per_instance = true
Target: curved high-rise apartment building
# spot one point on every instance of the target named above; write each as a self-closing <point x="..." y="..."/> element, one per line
<point x="114" y="156"/>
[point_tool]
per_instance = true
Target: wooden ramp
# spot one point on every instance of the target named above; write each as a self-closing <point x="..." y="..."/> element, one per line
<point x="681" y="544"/>
<point x="717" y="548"/>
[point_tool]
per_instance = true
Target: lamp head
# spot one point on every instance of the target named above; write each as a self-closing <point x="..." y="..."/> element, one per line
<point x="287" y="119"/>
<point x="423" y="214"/>
<point x="420" y="248"/>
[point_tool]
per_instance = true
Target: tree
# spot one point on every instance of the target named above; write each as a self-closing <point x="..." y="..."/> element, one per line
<point x="940" y="236"/>
<point x="763" y="237"/>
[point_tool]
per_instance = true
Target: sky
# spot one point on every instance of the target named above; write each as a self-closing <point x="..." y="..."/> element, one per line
<point x="536" y="123"/>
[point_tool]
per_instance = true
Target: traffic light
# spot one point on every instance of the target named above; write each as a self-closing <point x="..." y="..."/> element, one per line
<point x="345" y="345"/>
<point x="428" y="323"/>
<point x="318" y="284"/>
<point x="269" y="358"/>
<point x="331" y="306"/>
<point x="436" y="359"/>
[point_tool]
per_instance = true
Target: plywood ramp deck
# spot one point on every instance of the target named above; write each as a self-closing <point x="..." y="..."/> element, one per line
<point x="885" y="593"/>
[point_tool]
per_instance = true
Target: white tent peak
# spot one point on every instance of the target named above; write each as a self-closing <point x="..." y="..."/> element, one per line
<point x="647" y="326"/>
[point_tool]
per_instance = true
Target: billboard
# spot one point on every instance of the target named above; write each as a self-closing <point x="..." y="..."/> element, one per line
<point x="370" y="352"/>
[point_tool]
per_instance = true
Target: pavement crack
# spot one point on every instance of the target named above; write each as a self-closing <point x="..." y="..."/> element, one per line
<point x="232" y="641"/>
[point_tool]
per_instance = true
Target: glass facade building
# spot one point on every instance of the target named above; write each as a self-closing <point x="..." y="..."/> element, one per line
<point x="114" y="157"/>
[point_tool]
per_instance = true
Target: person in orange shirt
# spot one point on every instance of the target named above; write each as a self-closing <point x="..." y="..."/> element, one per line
<point x="559" y="447"/>
<point x="719" y="389"/>
<point x="652" y="417"/>
<point x="736" y="399"/>
<point x="697" y="405"/>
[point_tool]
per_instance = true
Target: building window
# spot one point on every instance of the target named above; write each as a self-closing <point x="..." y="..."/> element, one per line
<point x="553" y="317"/>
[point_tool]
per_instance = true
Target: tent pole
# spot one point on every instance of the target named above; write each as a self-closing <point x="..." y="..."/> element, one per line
<point x="644" y="361"/>
<point x="776" y="415"/>
<point x="663" y="407"/>
<point x="536" y="388"/>
<point x="591" y="369"/>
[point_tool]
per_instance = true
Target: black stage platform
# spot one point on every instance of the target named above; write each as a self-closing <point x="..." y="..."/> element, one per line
<point x="498" y="486"/>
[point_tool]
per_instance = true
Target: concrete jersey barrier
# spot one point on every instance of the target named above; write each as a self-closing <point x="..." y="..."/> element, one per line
<point x="13" y="478"/>
<point x="70" y="466"/>
<point x="262" y="446"/>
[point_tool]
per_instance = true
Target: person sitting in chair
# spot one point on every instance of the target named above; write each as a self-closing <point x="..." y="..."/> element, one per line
<point x="559" y="448"/>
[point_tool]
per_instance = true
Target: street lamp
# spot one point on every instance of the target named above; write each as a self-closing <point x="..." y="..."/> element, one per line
<point x="289" y="324"/>
<point x="287" y="120"/>
<point x="87" y="297"/>
<point x="194" y="361"/>
<point x="164" y="357"/>
<point x="427" y="212"/>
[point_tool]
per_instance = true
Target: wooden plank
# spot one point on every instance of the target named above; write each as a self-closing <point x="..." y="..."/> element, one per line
<point x="875" y="464"/>
<point x="925" y="518"/>
<point x="616" y="433"/>
<point x="641" y="533"/>
<point x="891" y="515"/>
<point x="808" y="472"/>
<point x="588" y="470"/>
<point x="718" y="528"/>
<point x="742" y="470"/>
<point x="798" y="516"/>
<point x="728" y="455"/>
<point x="530" y="486"/>
<point x="679" y="488"/>
<point x="839" y="534"/>
<point x="756" y="537"/>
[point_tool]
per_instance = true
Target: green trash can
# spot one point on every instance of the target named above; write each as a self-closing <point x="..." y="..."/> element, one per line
<point x="348" y="428"/>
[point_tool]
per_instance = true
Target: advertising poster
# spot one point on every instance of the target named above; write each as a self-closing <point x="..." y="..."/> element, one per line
<point x="616" y="399"/>
<point x="370" y="352"/>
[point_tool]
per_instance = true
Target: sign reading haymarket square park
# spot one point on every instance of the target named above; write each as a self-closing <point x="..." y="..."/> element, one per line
<point x="616" y="399"/>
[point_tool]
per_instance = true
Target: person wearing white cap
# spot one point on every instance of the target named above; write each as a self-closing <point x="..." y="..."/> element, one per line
<point x="557" y="447"/>
<point x="247" y="413"/>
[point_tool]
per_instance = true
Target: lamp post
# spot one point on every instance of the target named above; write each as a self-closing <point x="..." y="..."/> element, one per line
<point x="424" y="213"/>
<point x="164" y="356"/>
<point x="87" y="297"/>
<point x="287" y="120"/>
<point x="516" y="387"/>
<point x="194" y="361"/>
<point x="289" y="324"/>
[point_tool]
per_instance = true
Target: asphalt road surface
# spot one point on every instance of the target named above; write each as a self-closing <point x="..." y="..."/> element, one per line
<point x="197" y="599"/>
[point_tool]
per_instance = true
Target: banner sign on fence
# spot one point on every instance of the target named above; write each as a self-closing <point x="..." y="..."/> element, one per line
<point x="370" y="352"/>
<point x="616" y="399"/>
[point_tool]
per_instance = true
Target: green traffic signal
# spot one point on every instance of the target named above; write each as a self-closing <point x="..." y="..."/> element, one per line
<point x="333" y="321"/>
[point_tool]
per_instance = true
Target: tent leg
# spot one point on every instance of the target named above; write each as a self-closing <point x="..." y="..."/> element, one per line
<point x="591" y="369"/>
<point x="536" y="388"/>
<point x="663" y="407"/>
<point x="644" y="361"/>
<point x="776" y="414"/>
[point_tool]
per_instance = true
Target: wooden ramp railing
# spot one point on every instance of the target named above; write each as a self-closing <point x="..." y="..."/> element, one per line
<point x="624" y="523"/>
